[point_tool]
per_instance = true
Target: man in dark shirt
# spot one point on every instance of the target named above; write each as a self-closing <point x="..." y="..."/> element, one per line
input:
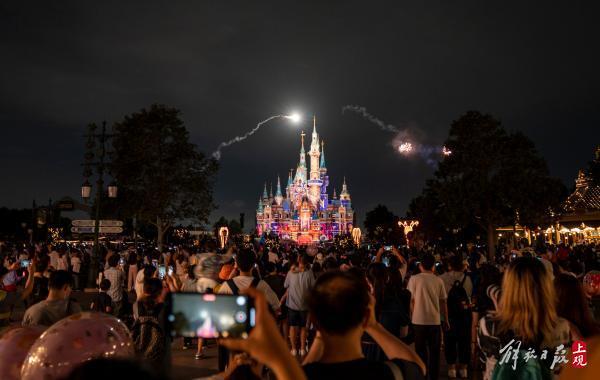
<point x="102" y="301"/>
<point x="56" y="306"/>
<point x="342" y="309"/>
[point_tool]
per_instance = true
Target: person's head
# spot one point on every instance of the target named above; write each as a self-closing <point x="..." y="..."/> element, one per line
<point x="456" y="263"/>
<point x="245" y="260"/>
<point x="42" y="264"/>
<point x="152" y="288"/>
<point x="105" y="284"/>
<point x="527" y="304"/>
<point x="104" y="368"/>
<point x="270" y="267"/>
<point x="149" y="271"/>
<point x="427" y="263"/>
<point x="339" y="303"/>
<point x="59" y="283"/>
<point x="113" y="260"/>
<point x="572" y="304"/>
<point x="330" y="264"/>
<point x="303" y="261"/>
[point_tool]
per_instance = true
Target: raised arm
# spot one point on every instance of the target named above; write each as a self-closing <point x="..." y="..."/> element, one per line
<point x="29" y="283"/>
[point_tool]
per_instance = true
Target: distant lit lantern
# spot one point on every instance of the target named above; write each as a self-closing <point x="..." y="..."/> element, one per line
<point x="223" y="235"/>
<point x="408" y="226"/>
<point x="112" y="190"/>
<point x="86" y="190"/>
<point x="356" y="234"/>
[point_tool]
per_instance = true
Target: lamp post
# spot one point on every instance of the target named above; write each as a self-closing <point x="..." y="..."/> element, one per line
<point x="94" y="157"/>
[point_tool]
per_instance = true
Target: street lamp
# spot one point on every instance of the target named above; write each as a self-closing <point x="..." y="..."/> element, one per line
<point x="112" y="190"/>
<point x="86" y="190"/>
<point x="95" y="158"/>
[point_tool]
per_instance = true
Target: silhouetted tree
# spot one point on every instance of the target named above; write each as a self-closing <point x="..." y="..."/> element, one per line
<point x="382" y="225"/>
<point x="490" y="175"/>
<point x="162" y="176"/>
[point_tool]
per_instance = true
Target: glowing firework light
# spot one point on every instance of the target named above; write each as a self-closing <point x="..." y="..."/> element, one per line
<point x="405" y="148"/>
<point x="217" y="153"/>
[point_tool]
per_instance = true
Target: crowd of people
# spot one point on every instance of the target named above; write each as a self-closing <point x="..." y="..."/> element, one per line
<point x="371" y="312"/>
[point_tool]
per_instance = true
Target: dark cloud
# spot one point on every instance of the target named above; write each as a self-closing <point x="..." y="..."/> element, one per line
<point x="228" y="65"/>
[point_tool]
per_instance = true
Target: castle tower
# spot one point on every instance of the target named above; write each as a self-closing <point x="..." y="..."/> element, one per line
<point x="324" y="178"/>
<point x="301" y="171"/>
<point x="278" y="194"/>
<point x="315" y="174"/>
<point x="345" y="195"/>
<point x="265" y="195"/>
<point x="322" y="167"/>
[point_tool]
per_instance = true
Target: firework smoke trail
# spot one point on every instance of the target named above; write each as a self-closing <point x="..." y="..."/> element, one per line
<point x="217" y="153"/>
<point x="403" y="142"/>
<point x="363" y="112"/>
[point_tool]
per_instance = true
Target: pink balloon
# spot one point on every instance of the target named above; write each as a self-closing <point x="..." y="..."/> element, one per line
<point x="14" y="346"/>
<point x="74" y="340"/>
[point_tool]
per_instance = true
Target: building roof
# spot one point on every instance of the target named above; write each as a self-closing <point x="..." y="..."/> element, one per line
<point x="585" y="198"/>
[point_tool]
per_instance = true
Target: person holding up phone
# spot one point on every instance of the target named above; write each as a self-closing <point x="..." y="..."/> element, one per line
<point x="265" y="344"/>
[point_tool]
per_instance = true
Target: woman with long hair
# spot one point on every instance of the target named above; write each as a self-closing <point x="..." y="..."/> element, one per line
<point x="392" y="302"/>
<point x="527" y="314"/>
<point x="572" y="305"/>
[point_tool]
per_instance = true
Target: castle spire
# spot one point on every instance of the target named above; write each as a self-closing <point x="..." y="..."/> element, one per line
<point x="278" y="192"/>
<point x="302" y="151"/>
<point x="322" y="164"/>
<point x="265" y="195"/>
<point x="314" y="144"/>
<point x="334" y="193"/>
<point x="260" y="205"/>
<point x="271" y="191"/>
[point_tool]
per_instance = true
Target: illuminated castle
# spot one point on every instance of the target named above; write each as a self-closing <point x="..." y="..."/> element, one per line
<point x="306" y="213"/>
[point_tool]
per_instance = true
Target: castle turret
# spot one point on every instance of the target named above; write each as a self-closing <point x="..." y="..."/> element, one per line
<point x="315" y="182"/>
<point x="265" y="195"/>
<point x="322" y="166"/>
<point x="301" y="170"/>
<point x="278" y="194"/>
<point x="344" y="195"/>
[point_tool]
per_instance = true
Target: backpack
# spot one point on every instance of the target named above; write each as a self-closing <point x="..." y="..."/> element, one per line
<point x="234" y="288"/>
<point x="149" y="338"/>
<point x="532" y="369"/>
<point x="458" y="301"/>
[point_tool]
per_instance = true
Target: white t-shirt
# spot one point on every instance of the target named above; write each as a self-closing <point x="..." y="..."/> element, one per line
<point x="243" y="282"/>
<point x="62" y="263"/>
<point x="53" y="259"/>
<point x="139" y="284"/>
<point x="427" y="291"/>
<point x="75" y="264"/>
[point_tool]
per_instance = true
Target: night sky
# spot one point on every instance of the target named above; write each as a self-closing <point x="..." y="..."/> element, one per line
<point x="228" y="65"/>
